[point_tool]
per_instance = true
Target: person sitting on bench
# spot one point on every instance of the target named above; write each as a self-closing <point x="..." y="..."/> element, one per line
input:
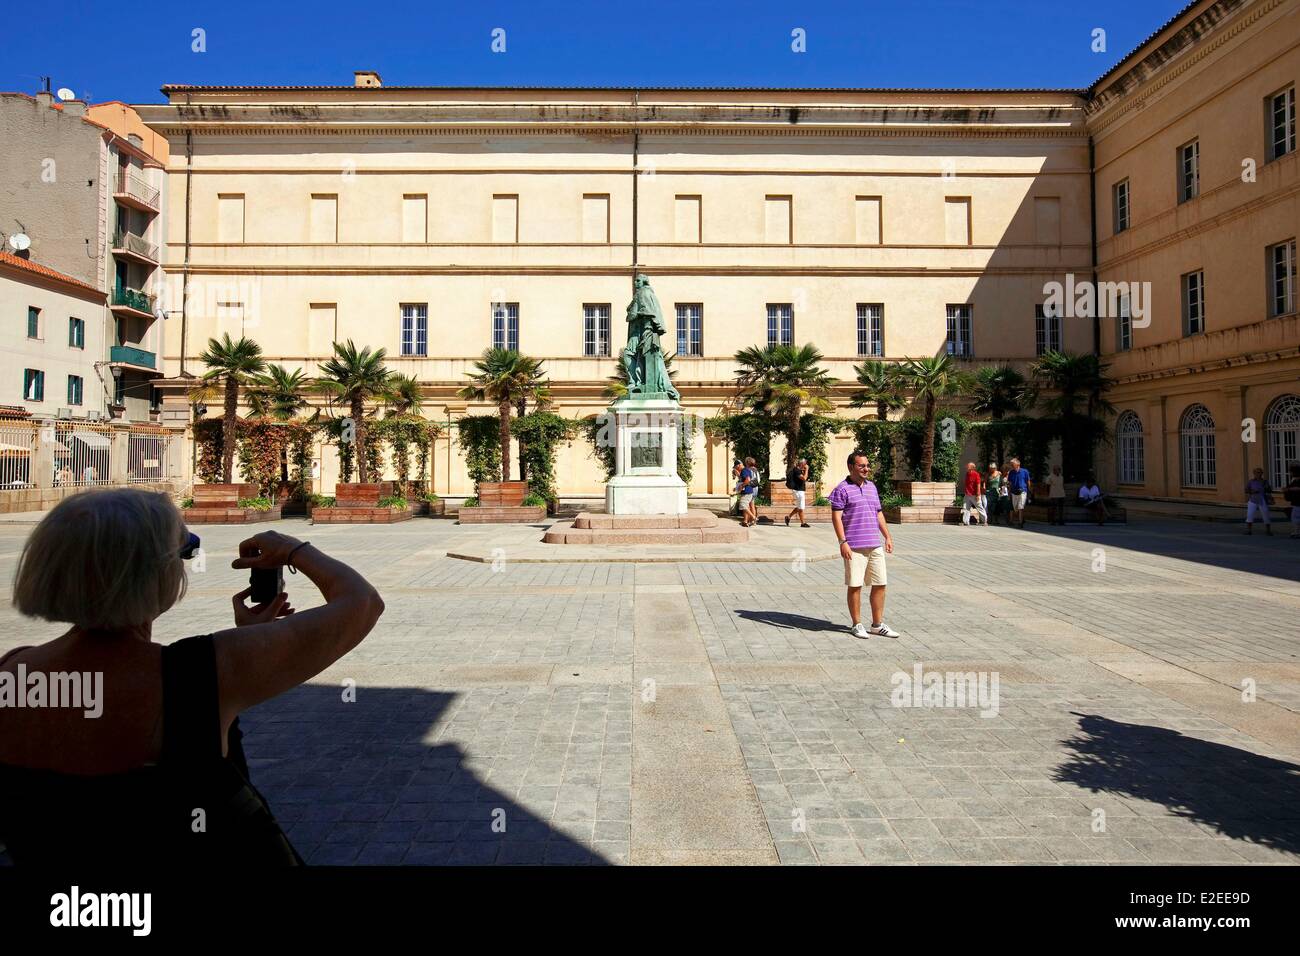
<point x="1090" y="497"/>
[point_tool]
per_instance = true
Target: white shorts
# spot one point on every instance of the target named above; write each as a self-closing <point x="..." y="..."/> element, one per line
<point x="1018" y="501"/>
<point x="867" y="566"/>
<point x="1253" y="509"/>
<point x="746" y="500"/>
<point x="799" y="500"/>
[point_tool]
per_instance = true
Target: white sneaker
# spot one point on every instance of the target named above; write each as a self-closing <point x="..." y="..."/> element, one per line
<point x="882" y="630"/>
<point x="860" y="630"/>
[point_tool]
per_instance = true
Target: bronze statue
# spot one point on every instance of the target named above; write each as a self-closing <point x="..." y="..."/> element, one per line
<point x="643" y="356"/>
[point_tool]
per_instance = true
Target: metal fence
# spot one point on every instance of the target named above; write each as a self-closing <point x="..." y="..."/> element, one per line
<point x="81" y="454"/>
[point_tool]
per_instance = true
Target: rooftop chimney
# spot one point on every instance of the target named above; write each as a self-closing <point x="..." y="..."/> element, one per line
<point x="74" y="107"/>
<point x="45" y="98"/>
<point x="366" y="78"/>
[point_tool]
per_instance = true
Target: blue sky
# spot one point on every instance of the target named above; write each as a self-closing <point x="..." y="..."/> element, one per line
<point x="115" y="52"/>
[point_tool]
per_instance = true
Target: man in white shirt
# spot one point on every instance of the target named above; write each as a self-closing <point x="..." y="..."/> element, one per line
<point x="1090" y="497"/>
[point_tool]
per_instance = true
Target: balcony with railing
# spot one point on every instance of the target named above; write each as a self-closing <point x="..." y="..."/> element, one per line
<point x="130" y="245"/>
<point x="133" y="190"/>
<point x="132" y="301"/>
<point x="130" y="355"/>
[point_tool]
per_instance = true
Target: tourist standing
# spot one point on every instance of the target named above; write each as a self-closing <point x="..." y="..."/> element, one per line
<point x="1018" y="489"/>
<point x="797" y="482"/>
<point x="973" y="495"/>
<point x="1259" y="496"/>
<point x="994" y="493"/>
<point x="1090" y="497"/>
<point x="864" y="541"/>
<point x="1292" y="495"/>
<point x="737" y="467"/>
<point x="748" y="491"/>
<point x="1056" y="496"/>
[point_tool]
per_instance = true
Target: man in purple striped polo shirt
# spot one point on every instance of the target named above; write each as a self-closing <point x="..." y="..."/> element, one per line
<point x="864" y="541"/>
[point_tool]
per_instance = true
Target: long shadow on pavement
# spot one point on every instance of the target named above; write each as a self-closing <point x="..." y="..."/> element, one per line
<point x="356" y="783"/>
<point x="1242" y="795"/>
<point x="798" y="622"/>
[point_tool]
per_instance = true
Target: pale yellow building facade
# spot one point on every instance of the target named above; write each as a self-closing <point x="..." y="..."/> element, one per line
<point x="870" y="223"/>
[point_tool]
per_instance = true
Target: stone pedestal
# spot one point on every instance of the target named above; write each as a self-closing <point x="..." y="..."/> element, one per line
<point x="645" y="482"/>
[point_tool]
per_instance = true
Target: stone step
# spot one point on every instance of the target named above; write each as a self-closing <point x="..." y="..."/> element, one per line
<point x="566" y="533"/>
<point x="692" y="519"/>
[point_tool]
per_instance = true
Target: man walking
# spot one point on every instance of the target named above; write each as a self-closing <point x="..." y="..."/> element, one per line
<point x="797" y="481"/>
<point x="973" y="497"/>
<point x="1018" y="486"/>
<point x="864" y="541"/>
<point x="748" y="488"/>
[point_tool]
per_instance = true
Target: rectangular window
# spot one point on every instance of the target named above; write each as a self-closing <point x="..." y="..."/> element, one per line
<point x="505" y="325"/>
<point x="76" y="333"/>
<point x="322" y="327"/>
<point x="415" y="328"/>
<point x="959" y="342"/>
<point x="1281" y="123"/>
<point x="595" y="330"/>
<point x="1124" y="325"/>
<point x="1047" y="220"/>
<point x="690" y="328"/>
<point x="505" y="218"/>
<point x="595" y="217"/>
<point x="33" y="385"/>
<point x="1121" y="206"/>
<point x="778" y="222"/>
<point x="780" y="324"/>
<point x="1281" y="278"/>
<point x="1189" y="171"/>
<point x="230" y="217"/>
<point x="687" y="226"/>
<point x="871" y="328"/>
<point x="33" y="322"/>
<point x="324" y="217"/>
<point x="956" y="220"/>
<point x="1047" y="332"/>
<point x="868" y="222"/>
<point x="1193" y="303"/>
<point x="415" y="218"/>
<point x="74" y="389"/>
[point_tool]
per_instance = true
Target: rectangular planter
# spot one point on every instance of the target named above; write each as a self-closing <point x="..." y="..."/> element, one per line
<point x="523" y="514"/>
<point x="230" y="515"/>
<point x="359" y="515"/>
<point x="925" y="493"/>
<point x="221" y="496"/>
<point x="509" y="494"/>
<point x="357" y="495"/>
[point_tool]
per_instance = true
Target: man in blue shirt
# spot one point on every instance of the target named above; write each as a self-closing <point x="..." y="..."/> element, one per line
<point x="1018" y="482"/>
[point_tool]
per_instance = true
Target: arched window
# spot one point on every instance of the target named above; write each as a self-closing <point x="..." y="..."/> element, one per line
<point x="1196" y="445"/>
<point x="1282" y="439"/>
<point x="1132" y="449"/>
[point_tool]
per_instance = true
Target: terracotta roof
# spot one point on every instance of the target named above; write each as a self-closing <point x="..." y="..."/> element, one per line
<point x="26" y="265"/>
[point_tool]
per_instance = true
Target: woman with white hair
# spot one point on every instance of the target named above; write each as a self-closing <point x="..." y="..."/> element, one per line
<point x="139" y="759"/>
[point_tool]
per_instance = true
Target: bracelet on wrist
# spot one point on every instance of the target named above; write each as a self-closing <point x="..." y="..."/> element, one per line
<point x="289" y="560"/>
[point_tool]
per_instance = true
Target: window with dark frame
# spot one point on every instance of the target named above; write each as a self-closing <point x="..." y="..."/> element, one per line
<point x="33" y="322"/>
<point x="1124" y="326"/>
<point x="76" y="333"/>
<point x="871" y="328"/>
<point x="780" y="324"/>
<point x="1194" y="303"/>
<point x="1047" y="331"/>
<point x="74" y="389"/>
<point x="1121" y="205"/>
<point x="415" y="328"/>
<point x="1281" y="116"/>
<point x="1282" y="278"/>
<point x="595" y="330"/>
<point x="33" y="385"/>
<point x="1189" y="170"/>
<point x="505" y="325"/>
<point x="690" y="328"/>
<point x="959" y="331"/>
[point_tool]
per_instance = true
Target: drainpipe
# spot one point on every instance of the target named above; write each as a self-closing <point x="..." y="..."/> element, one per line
<point x="636" y="148"/>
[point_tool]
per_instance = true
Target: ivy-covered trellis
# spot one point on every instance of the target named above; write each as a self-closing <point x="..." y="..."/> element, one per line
<point x="539" y="433"/>
<point x="480" y="443"/>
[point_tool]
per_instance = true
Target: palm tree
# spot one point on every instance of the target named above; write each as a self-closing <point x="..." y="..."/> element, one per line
<point x="278" y="393"/>
<point x="230" y="365"/>
<point x="1074" y="378"/>
<point x="784" y="381"/>
<point x="404" y="394"/>
<point x="355" y="376"/>
<point x="931" y="379"/>
<point x="881" y="387"/>
<point x="998" y="391"/>
<point x="505" y="377"/>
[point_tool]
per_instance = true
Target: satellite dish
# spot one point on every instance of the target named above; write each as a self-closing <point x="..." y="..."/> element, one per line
<point x="20" y="241"/>
<point x="66" y="94"/>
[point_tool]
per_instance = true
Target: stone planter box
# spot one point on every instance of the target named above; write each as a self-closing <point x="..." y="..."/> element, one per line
<point x="523" y="514"/>
<point x="922" y="514"/>
<point x="507" y="494"/>
<point x="219" y="504"/>
<point x="358" y="515"/>
<point x="933" y="493"/>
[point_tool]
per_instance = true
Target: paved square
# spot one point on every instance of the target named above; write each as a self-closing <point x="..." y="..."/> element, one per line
<point x="595" y="712"/>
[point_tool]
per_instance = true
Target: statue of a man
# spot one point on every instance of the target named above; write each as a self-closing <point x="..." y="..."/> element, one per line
<point x="643" y="356"/>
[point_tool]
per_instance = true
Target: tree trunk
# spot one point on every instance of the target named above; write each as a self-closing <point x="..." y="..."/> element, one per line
<point x="927" y="442"/>
<point x="503" y="412"/>
<point x="358" y="411"/>
<point x="882" y="412"/>
<point x="228" y="426"/>
<point x="792" y="445"/>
